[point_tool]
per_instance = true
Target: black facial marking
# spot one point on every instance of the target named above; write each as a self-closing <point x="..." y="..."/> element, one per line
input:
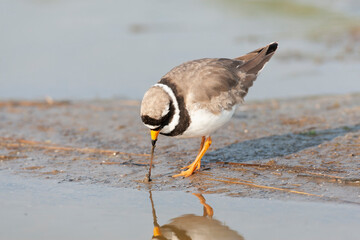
<point x="184" y="121"/>
<point x="162" y="121"/>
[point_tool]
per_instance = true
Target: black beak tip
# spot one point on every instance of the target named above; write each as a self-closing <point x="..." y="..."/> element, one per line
<point x="153" y="142"/>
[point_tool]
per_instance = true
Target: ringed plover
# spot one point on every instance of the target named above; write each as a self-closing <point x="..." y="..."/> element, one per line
<point x="198" y="97"/>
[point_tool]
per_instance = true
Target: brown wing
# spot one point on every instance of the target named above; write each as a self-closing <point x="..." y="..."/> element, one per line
<point x="216" y="77"/>
<point x="219" y="83"/>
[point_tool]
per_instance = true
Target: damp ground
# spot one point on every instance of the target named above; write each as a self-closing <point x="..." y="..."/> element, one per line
<point x="301" y="149"/>
<point x="289" y="167"/>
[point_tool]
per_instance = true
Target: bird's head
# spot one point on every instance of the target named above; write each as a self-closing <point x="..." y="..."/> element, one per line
<point x="156" y="110"/>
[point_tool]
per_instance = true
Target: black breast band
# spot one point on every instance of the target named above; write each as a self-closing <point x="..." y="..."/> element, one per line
<point x="184" y="119"/>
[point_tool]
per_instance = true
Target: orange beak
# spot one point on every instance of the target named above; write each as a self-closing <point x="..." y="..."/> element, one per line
<point x="154" y="136"/>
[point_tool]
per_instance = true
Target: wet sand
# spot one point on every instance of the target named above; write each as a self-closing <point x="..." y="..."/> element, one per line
<point x="305" y="149"/>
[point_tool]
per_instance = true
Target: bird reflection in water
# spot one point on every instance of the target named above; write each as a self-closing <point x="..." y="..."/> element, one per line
<point x="193" y="227"/>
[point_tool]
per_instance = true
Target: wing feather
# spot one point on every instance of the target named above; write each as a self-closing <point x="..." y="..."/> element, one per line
<point x="219" y="83"/>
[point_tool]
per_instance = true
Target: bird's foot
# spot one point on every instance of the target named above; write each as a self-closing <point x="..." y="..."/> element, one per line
<point x="186" y="173"/>
<point x="197" y="166"/>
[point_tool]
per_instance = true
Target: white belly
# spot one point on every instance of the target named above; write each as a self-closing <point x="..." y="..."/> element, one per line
<point x="203" y="122"/>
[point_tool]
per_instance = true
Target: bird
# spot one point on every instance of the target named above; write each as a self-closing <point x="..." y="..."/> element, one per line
<point x="198" y="97"/>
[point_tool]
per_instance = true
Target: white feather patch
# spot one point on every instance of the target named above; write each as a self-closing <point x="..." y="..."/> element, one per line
<point x="204" y="123"/>
<point x="175" y="120"/>
<point x="151" y="126"/>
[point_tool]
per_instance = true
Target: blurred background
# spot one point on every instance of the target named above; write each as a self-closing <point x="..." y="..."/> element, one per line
<point x="90" y="49"/>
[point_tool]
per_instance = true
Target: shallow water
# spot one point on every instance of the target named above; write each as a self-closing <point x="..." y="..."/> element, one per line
<point x="102" y="49"/>
<point x="37" y="209"/>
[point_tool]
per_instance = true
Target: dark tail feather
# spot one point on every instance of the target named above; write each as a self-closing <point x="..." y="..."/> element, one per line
<point x="254" y="61"/>
<point x="271" y="48"/>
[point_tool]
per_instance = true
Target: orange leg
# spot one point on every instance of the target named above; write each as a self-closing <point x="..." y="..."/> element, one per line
<point x="196" y="164"/>
<point x="201" y="147"/>
<point x="202" y="143"/>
